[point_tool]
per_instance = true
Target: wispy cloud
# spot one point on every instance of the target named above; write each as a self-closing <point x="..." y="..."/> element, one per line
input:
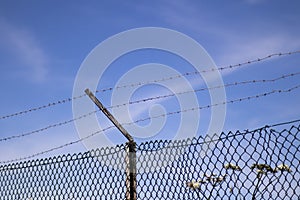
<point x="240" y="48"/>
<point x="26" y="49"/>
<point x="232" y="43"/>
<point x="176" y="88"/>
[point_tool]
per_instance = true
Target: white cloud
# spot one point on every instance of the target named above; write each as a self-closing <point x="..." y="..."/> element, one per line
<point x="232" y="43"/>
<point x="238" y="49"/>
<point x="26" y="49"/>
<point x="232" y="46"/>
<point x="141" y="108"/>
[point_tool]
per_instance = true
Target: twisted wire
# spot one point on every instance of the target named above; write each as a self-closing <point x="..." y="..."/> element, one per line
<point x="148" y="118"/>
<point x="148" y="82"/>
<point x="46" y="128"/>
<point x="149" y="99"/>
<point x="207" y="88"/>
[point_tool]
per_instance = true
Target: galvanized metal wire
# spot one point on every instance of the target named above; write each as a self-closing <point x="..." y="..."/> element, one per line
<point x="229" y="67"/>
<point x="141" y="120"/>
<point x="251" y="164"/>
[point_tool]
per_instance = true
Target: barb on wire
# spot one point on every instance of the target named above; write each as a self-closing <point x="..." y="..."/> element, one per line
<point x="206" y="88"/>
<point x="259" y="59"/>
<point x="46" y="128"/>
<point x="149" y="99"/>
<point x="56" y="148"/>
<point x="148" y="118"/>
<point x="154" y="81"/>
<point x="217" y="104"/>
<point x="40" y="107"/>
<point x="203" y="71"/>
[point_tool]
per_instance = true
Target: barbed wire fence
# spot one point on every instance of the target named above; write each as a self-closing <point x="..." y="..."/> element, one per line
<point x="144" y="100"/>
<point x="256" y="96"/>
<point x="221" y="68"/>
<point x="258" y="164"/>
<point x="43" y="129"/>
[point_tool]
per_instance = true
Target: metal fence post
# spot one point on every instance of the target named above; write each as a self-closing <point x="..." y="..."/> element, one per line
<point x="130" y="149"/>
<point x="131" y="171"/>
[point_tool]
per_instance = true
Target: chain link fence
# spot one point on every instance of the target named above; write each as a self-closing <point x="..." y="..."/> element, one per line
<point x="81" y="176"/>
<point x="259" y="164"/>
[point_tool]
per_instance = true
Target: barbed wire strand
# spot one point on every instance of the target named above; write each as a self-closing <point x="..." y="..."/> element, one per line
<point x="146" y="100"/>
<point x="203" y="71"/>
<point x="207" y="88"/>
<point x="218" y="104"/>
<point x="149" y="82"/>
<point x="41" y="107"/>
<point x="46" y="128"/>
<point x="148" y="118"/>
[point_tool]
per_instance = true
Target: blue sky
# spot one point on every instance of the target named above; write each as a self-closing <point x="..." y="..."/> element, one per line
<point x="43" y="43"/>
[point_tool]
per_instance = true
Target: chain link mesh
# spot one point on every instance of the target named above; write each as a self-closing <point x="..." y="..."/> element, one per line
<point x="259" y="164"/>
<point x="86" y="175"/>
